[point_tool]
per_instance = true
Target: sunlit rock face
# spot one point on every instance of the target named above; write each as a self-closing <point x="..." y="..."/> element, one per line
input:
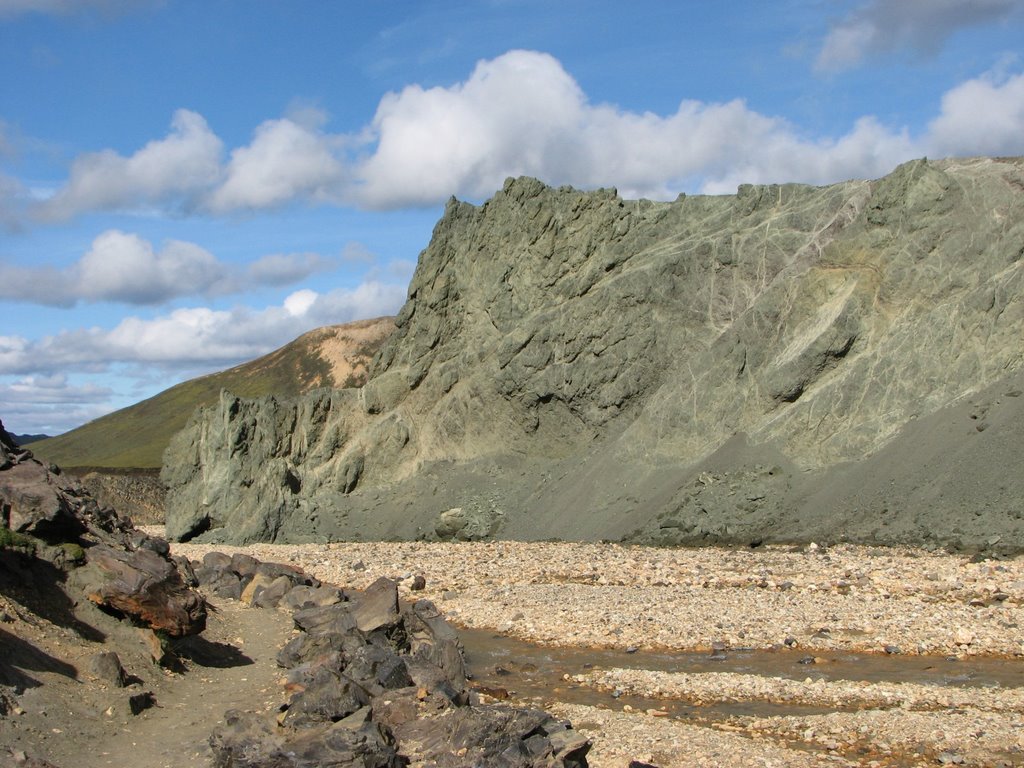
<point x="570" y="364"/>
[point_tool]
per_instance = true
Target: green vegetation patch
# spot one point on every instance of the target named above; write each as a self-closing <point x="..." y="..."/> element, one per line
<point x="13" y="540"/>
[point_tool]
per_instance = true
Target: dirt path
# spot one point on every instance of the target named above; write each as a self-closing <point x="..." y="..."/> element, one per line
<point x="233" y="667"/>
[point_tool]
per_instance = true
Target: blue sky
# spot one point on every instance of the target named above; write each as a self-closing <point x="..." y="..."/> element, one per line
<point x="188" y="184"/>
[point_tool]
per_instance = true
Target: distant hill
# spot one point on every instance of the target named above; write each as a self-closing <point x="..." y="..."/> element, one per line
<point x="135" y="437"/>
<point x="26" y="439"/>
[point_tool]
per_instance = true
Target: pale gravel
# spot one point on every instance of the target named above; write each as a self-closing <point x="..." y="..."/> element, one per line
<point x="619" y="738"/>
<point x="984" y="725"/>
<point x="619" y="596"/>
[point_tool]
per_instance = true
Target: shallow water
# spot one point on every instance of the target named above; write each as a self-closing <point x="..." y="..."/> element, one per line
<point x="531" y="671"/>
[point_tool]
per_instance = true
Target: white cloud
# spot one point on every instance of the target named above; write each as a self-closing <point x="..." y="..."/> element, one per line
<point x="983" y="116"/>
<point x="300" y="302"/>
<point x="516" y="114"/>
<point x="119" y="267"/>
<point x="51" y="390"/>
<point x="168" y="171"/>
<point x="51" y="404"/>
<point x="882" y="26"/>
<point x="522" y="113"/>
<point x="286" y="160"/>
<point x="123" y="267"/>
<point x="198" y="335"/>
<point x="371" y="298"/>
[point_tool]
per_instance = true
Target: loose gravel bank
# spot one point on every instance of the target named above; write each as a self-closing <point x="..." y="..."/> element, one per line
<point x="826" y="601"/>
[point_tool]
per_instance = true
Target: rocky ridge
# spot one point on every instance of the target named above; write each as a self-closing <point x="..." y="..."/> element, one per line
<point x="789" y="362"/>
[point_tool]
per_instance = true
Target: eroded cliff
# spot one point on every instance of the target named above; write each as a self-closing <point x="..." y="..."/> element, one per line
<point x="572" y="364"/>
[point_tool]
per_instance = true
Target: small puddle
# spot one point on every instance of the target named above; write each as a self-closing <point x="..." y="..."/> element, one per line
<point x="531" y="671"/>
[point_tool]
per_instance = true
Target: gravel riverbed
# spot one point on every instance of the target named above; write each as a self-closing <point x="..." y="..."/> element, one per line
<point x="819" y="600"/>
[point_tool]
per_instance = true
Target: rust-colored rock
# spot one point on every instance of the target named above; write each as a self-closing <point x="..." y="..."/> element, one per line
<point x="145" y="586"/>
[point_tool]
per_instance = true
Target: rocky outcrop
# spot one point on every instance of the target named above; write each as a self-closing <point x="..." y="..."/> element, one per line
<point x="39" y="500"/>
<point x="78" y="583"/>
<point x="568" y="364"/>
<point x="108" y="561"/>
<point x="377" y="683"/>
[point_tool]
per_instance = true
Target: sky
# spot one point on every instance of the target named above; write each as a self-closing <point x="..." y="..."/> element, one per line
<point x="189" y="184"/>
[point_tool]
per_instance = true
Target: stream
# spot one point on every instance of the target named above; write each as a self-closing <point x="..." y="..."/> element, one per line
<point x="527" y="671"/>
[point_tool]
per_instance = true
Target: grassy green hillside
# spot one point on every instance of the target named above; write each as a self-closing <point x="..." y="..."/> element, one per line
<point x="135" y="437"/>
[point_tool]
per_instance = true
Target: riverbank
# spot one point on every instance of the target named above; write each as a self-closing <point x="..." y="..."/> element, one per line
<point x="842" y="598"/>
<point x="824" y="602"/>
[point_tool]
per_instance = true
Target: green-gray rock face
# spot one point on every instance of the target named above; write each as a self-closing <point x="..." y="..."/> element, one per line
<point x="570" y="364"/>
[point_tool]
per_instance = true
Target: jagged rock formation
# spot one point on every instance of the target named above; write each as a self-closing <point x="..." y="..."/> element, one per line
<point x="572" y="364"/>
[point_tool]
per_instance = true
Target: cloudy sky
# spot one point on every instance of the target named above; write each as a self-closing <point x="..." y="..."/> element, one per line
<point x="188" y="184"/>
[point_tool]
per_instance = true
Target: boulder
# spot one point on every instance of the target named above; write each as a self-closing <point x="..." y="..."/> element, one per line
<point x="397" y="671"/>
<point x="378" y="669"/>
<point x="258" y="584"/>
<point x="495" y="735"/>
<point x="36" y="502"/>
<point x="106" y="666"/>
<point x="273" y="593"/>
<point x="326" y="697"/>
<point x="378" y="606"/>
<point x="249" y="741"/>
<point x="466" y="524"/>
<point x="37" y="499"/>
<point x="143" y="585"/>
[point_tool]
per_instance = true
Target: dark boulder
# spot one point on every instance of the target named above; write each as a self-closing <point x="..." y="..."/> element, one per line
<point x="379" y="684"/>
<point x="498" y="736"/>
<point x="378" y="669"/>
<point x="38" y="503"/>
<point x="328" y="696"/>
<point x="248" y="741"/>
<point x="144" y="586"/>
